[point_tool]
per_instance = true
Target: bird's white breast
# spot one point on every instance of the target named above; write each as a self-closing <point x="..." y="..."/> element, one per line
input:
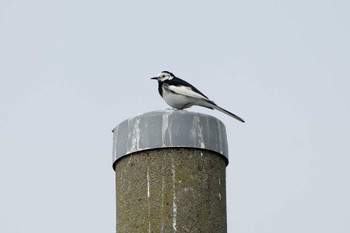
<point x="176" y="100"/>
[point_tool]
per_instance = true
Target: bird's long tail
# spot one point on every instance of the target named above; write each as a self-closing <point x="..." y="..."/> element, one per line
<point x="213" y="105"/>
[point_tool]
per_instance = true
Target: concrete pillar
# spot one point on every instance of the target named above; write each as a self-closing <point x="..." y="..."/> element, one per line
<point x="170" y="173"/>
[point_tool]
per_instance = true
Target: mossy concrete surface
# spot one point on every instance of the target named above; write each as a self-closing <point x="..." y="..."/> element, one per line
<point x="171" y="190"/>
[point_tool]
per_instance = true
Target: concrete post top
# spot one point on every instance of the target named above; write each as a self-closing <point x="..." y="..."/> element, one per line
<point x="169" y="129"/>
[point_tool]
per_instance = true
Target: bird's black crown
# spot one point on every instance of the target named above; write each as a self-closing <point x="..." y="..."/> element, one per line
<point x="171" y="74"/>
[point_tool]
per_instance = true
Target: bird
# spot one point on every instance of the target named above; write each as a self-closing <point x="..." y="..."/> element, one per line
<point x="180" y="94"/>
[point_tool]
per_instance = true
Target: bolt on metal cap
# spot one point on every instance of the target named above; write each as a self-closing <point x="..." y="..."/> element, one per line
<point x="169" y="129"/>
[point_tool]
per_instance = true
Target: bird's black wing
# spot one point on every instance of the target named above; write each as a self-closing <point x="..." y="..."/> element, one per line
<point x="179" y="82"/>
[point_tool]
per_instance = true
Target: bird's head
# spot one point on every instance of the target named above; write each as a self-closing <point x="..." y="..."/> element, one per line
<point x="163" y="76"/>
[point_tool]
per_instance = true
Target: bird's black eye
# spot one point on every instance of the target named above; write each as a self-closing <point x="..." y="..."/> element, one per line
<point x="163" y="76"/>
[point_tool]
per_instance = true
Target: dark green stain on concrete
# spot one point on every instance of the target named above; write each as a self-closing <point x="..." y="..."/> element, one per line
<point x="171" y="190"/>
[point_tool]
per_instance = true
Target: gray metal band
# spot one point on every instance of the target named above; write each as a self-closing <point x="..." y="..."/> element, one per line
<point x="169" y="129"/>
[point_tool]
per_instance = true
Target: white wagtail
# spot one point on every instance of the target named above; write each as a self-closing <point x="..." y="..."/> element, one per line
<point x="180" y="94"/>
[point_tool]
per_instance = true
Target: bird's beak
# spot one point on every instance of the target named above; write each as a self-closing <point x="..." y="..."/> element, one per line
<point x="156" y="78"/>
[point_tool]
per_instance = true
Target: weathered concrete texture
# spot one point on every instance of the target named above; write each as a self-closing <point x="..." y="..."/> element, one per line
<point x="171" y="190"/>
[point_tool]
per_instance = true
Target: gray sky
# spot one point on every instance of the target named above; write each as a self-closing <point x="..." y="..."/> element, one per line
<point x="70" y="71"/>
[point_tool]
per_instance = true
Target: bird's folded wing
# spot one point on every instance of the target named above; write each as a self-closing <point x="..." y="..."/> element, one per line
<point x="186" y="91"/>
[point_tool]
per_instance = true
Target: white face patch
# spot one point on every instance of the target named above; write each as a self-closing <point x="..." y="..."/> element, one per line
<point x="164" y="76"/>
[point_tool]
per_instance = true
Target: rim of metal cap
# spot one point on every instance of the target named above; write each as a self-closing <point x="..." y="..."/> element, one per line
<point x="169" y="129"/>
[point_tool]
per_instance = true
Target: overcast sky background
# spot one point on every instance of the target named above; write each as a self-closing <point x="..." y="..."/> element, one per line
<point x="71" y="71"/>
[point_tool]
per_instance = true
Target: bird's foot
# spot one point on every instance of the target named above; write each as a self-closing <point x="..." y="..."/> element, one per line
<point x="175" y="109"/>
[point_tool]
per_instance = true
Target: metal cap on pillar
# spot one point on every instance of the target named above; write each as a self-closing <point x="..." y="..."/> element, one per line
<point x="170" y="173"/>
